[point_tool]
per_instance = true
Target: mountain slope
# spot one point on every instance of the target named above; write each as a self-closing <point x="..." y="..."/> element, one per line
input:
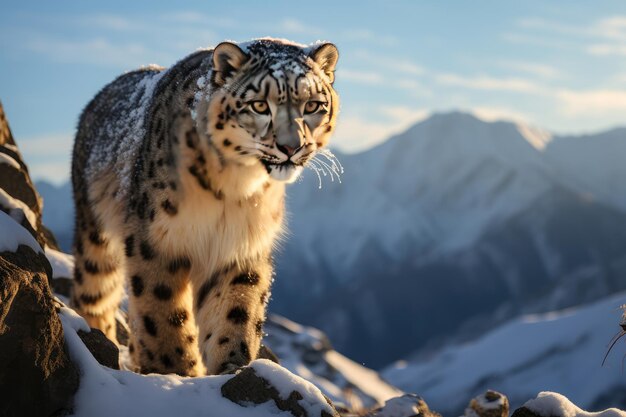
<point x="559" y="351"/>
<point x="453" y="211"/>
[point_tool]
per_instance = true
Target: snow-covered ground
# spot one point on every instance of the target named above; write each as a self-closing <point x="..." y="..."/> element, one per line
<point x="304" y="351"/>
<point x="107" y="392"/>
<point x="560" y="351"/>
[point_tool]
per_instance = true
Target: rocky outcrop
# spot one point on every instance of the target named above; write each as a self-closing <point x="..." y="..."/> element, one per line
<point x="37" y="377"/>
<point x="552" y="404"/>
<point x="18" y="196"/>
<point x="308" y="352"/>
<point x="248" y="387"/>
<point x="105" y="351"/>
<point x="489" y="404"/>
<point x="408" y="405"/>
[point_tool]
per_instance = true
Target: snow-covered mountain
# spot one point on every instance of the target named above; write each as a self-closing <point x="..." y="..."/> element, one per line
<point x="465" y="221"/>
<point x="559" y="351"/>
<point x="593" y="163"/>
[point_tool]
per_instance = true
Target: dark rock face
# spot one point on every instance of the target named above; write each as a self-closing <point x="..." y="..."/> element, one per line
<point x="247" y="387"/>
<point x="16" y="182"/>
<point x="105" y="351"/>
<point x="525" y="412"/>
<point x="36" y="376"/>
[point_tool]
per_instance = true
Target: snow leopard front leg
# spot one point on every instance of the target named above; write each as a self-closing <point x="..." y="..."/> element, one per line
<point x="163" y="330"/>
<point x="230" y="312"/>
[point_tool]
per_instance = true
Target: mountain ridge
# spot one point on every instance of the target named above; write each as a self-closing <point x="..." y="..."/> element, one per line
<point x="438" y="204"/>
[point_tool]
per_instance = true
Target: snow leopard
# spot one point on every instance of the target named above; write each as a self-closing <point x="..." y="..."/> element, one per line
<point x="179" y="180"/>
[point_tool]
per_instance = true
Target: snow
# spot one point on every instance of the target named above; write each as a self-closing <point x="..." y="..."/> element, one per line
<point x="305" y="351"/>
<point x="108" y="392"/>
<point x="549" y="404"/>
<point x="406" y="405"/>
<point x="126" y="133"/>
<point x="17" y="208"/>
<point x="486" y="404"/>
<point x="284" y="381"/>
<point x="62" y="263"/>
<point x="592" y="164"/>
<point x="13" y="235"/>
<point x="560" y="351"/>
<point x="6" y="159"/>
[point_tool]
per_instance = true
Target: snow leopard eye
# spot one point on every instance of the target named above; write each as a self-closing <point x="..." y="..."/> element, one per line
<point x="313" y="107"/>
<point x="260" y="107"/>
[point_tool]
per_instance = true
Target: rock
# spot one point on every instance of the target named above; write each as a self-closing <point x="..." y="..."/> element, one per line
<point x="266" y="353"/>
<point x="62" y="286"/>
<point x="307" y="352"/>
<point x="525" y="412"/>
<point x="17" y="192"/>
<point x="37" y="377"/>
<point x="553" y="404"/>
<point x="408" y="405"/>
<point x="247" y="387"/>
<point x="489" y="404"/>
<point x="105" y="351"/>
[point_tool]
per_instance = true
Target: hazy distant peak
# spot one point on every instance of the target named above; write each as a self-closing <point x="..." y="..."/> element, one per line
<point x="537" y="137"/>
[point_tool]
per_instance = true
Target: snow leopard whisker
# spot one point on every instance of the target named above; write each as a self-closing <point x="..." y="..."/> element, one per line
<point x="332" y="166"/>
<point x="615" y="339"/>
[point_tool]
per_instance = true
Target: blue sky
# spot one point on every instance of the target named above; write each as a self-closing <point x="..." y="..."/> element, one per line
<point x="560" y="65"/>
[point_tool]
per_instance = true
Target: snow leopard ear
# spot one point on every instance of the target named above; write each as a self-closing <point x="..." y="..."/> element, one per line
<point x="227" y="59"/>
<point x="326" y="56"/>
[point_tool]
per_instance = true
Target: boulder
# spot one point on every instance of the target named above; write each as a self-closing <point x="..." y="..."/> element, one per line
<point x="408" y="405"/>
<point x="552" y="404"/>
<point x="37" y="377"/>
<point x="105" y="351"/>
<point x="489" y="404"/>
<point x="18" y="196"/>
<point x="247" y="387"/>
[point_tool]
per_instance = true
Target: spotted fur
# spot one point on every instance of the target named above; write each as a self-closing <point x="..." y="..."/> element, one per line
<point x="179" y="178"/>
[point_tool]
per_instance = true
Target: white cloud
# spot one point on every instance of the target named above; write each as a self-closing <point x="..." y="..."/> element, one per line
<point x="355" y="133"/>
<point x="48" y="156"/>
<point x="404" y="116"/>
<point x="96" y="51"/>
<point x="613" y="27"/>
<point x="532" y="68"/>
<point x="486" y="82"/>
<point x="203" y="20"/>
<point x="361" y="77"/>
<point x="591" y="102"/>
<point x="296" y="27"/>
<point x="370" y="37"/>
<point x="407" y="67"/>
<point x="109" y="22"/>
<point x="373" y="78"/>
<point x="606" y="36"/>
<point x="604" y="49"/>
<point x="539" y="41"/>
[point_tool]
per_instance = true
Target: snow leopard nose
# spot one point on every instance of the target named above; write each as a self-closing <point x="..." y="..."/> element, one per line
<point x="289" y="132"/>
<point x="288" y="150"/>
